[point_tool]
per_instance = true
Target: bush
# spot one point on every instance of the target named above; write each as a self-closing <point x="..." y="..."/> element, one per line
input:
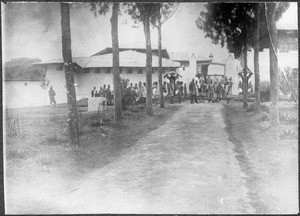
<point x="265" y="108"/>
<point x="264" y="91"/>
<point x="136" y="108"/>
<point x="287" y="119"/>
<point x="263" y="117"/>
<point x="15" y="154"/>
<point x="129" y="95"/>
<point x="250" y="108"/>
<point x="289" y="134"/>
<point x="292" y="77"/>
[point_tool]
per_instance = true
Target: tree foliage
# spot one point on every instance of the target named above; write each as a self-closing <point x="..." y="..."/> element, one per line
<point x="231" y="23"/>
<point x="24" y="69"/>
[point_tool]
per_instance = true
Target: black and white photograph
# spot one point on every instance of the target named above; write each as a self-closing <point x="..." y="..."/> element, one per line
<point x="150" y="107"/>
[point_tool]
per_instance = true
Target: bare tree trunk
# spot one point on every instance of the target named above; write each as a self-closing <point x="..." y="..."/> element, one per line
<point x="69" y="74"/>
<point x="116" y="69"/>
<point x="274" y="76"/>
<point x="256" y="59"/>
<point x="245" y="80"/>
<point x="149" y="110"/>
<point x="161" y="95"/>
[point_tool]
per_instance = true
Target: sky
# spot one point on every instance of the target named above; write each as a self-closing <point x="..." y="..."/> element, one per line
<point x="33" y="30"/>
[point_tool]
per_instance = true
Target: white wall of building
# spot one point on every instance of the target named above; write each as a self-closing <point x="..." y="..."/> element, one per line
<point x="87" y="81"/>
<point x="24" y="94"/>
<point x="234" y="66"/>
<point x="284" y="59"/>
<point x="58" y="81"/>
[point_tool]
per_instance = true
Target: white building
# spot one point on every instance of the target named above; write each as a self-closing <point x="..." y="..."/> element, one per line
<point x="96" y="70"/>
<point x="287" y="57"/>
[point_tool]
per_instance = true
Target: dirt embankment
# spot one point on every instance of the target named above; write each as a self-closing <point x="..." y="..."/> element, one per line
<point x="269" y="163"/>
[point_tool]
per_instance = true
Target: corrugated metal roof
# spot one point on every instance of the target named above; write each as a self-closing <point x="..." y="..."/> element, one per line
<point x="128" y="59"/>
<point x="185" y="56"/>
<point x="81" y="61"/>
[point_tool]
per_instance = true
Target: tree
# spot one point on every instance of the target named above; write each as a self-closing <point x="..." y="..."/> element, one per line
<point x="256" y="58"/>
<point x="116" y="69"/>
<point x="23" y="69"/>
<point x="69" y="73"/>
<point x="230" y="23"/>
<point x="146" y="13"/>
<point x="102" y="8"/>
<point x="240" y="25"/>
<point x="165" y="11"/>
<point x="274" y="75"/>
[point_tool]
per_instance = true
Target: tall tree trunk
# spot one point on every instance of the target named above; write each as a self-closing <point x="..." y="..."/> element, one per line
<point x="245" y="80"/>
<point x="149" y="110"/>
<point x="116" y="69"/>
<point x="256" y="59"/>
<point x="69" y="73"/>
<point x="274" y="76"/>
<point x="161" y="95"/>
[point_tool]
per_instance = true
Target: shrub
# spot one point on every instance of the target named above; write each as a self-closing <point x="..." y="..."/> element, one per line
<point x="250" y="108"/>
<point x="129" y="95"/>
<point x="136" y="108"/>
<point x="292" y="77"/>
<point x="289" y="134"/>
<point x="55" y="137"/>
<point x="263" y="117"/>
<point x="265" y="108"/>
<point x="264" y="91"/>
<point x="15" y="154"/>
<point x="287" y="119"/>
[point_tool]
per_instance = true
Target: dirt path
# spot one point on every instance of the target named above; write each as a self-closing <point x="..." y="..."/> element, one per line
<point x="192" y="164"/>
<point x="186" y="166"/>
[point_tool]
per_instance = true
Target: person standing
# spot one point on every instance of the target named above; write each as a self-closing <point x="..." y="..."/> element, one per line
<point x="197" y="90"/>
<point x="185" y="90"/>
<point x="227" y="91"/>
<point x="172" y="90"/>
<point x="211" y="91"/>
<point x="192" y="88"/>
<point x="52" y="97"/>
<point x="94" y="92"/>
<point x="219" y="92"/>
<point x="180" y="91"/>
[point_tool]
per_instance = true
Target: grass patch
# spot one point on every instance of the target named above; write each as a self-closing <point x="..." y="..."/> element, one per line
<point x="263" y="117"/>
<point x="47" y="137"/>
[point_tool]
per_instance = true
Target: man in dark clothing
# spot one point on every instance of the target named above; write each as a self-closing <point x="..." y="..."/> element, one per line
<point x="93" y="92"/>
<point x="192" y="88"/>
<point x="52" y="97"/>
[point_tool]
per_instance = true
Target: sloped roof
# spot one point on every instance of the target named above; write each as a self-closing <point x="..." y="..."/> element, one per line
<point x="185" y="56"/>
<point x="128" y="59"/>
<point x="81" y="61"/>
<point x="135" y="46"/>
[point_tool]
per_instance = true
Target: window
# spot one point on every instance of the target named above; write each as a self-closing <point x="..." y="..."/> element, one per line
<point x="139" y="70"/>
<point x="97" y="70"/>
<point x="86" y="70"/>
<point x="107" y="70"/>
<point x="58" y="67"/>
<point x="129" y="71"/>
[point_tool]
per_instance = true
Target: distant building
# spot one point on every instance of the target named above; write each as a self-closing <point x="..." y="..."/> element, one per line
<point x="24" y="93"/>
<point x="96" y="70"/>
<point x="287" y="57"/>
<point x="192" y="64"/>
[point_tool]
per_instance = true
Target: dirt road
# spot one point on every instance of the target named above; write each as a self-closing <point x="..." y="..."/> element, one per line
<point x="186" y="166"/>
<point x="191" y="164"/>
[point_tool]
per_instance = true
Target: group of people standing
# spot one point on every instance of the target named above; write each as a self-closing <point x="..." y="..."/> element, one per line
<point x="210" y="89"/>
<point x="103" y="92"/>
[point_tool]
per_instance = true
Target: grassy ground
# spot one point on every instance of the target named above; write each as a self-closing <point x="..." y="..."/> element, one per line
<point x="267" y="156"/>
<point x="42" y="144"/>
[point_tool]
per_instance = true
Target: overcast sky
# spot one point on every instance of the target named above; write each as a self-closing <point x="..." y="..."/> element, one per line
<point x="33" y="30"/>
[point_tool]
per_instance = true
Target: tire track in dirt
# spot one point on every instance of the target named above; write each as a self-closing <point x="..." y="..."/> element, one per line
<point x="245" y="166"/>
